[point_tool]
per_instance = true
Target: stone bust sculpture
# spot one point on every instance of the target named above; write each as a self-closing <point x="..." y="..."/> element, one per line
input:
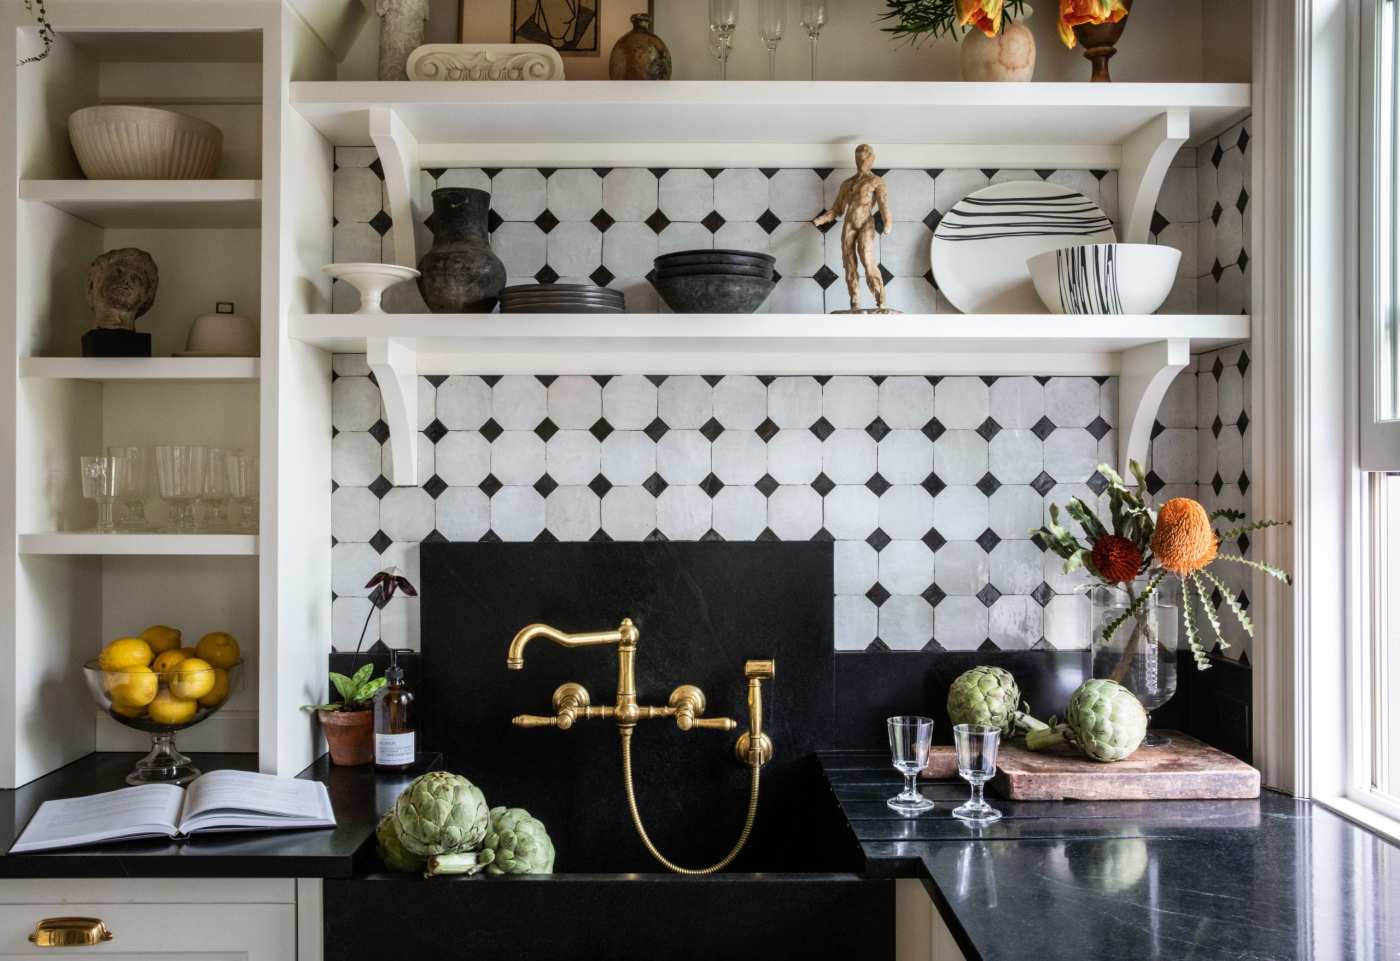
<point x="121" y="287"/>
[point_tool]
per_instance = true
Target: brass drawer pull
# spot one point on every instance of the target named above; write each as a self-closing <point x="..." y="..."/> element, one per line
<point x="69" y="932"/>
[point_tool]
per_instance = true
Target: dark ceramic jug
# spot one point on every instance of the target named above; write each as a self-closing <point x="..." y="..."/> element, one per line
<point x="640" y="54"/>
<point x="460" y="274"/>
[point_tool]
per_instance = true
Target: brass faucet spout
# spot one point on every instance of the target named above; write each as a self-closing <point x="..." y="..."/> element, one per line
<point x="625" y="636"/>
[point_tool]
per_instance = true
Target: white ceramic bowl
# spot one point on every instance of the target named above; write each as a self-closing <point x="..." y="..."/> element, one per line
<point x="116" y="142"/>
<point x="1105" y="278"/>
<point x="222" y="335"/>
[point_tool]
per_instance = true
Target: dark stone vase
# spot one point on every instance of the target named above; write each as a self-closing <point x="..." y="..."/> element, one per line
<point x="640" y="54"/>
<point x="460" y="274"/>
<point x="1100" y="43"/>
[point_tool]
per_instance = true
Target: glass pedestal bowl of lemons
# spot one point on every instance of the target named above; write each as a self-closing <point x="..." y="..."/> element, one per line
<point x="153" y="684"/>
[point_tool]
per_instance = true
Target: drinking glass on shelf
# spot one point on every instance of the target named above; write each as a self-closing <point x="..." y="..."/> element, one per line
<point x="133" y="486"/>
<point x="180" y="479"/>
<point x="243" y="491"/>
<point x="724" y="17"/>
<point x="812" y="16"/>
<point x="99" y="484"/>
<point x="772" y="15"/>
<point x="976" y="746"/>
<point x="910" y="737"/>
<point x="214" y="491"/>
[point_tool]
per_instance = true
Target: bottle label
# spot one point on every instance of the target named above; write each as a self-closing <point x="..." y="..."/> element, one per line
<point x="393" y="750"/>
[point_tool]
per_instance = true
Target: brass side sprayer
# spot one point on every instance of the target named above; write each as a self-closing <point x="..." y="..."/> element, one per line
<point x="686" y="705"/>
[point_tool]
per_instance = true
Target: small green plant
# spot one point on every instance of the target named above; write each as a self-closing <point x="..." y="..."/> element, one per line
<point x="915" y="20"/>
<point x="46" y="34"/>
<point x="356" y="691"/>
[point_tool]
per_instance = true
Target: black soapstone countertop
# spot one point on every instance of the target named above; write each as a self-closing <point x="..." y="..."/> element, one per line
<point x="1273" y="879"/>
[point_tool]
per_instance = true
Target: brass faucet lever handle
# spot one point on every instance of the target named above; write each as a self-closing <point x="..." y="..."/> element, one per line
<point x="713" y="724"/>
<point x="534" y="720"/>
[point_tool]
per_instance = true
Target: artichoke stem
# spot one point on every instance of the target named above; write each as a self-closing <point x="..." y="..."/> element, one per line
<point x="1027" y="723"/>
<point x="453" y="864"/>
<point x="1045" y="736"/>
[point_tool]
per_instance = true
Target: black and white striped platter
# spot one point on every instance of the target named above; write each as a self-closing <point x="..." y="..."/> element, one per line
<point x="982" y="243"/>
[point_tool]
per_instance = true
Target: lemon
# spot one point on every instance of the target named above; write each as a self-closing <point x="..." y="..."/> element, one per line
<point x="166" y="660"/>
<point x="124" y="653"/>
<point x="123" y="710"/>
<point x="219" y="649"/>
<point x="187" y="651"/>
<point x="161" y="638"/>
<point x="133" y="687"/>
<point x="218" y="694"/>
<point x="191" y="679"/>
<point x="169" y="709"/>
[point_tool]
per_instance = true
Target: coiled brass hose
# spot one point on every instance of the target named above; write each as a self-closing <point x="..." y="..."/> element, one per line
<point x="642" y="831"/>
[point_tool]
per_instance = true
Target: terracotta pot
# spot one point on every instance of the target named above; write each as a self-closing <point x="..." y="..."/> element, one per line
<point x="350" y="736"/>
<point x="640" y="54"/>
<point x="1009" y="57"/>
<point x="1099" y="42"/>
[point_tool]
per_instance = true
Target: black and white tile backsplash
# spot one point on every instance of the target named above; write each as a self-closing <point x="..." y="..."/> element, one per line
<point x="928" y="486"/>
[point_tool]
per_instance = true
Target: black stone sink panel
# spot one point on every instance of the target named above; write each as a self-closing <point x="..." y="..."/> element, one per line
<point x="703" y="609"/>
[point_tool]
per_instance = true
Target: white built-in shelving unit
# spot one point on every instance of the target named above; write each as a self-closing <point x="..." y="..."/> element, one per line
<point x="259" y="233"/>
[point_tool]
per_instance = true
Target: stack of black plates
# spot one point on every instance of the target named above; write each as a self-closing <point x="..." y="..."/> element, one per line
<point x="561" y="299"/>
<point x="714" y="281"/>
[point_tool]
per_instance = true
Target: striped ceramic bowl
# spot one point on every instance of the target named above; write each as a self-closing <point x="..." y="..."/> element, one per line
<point x="1105" y="278"/>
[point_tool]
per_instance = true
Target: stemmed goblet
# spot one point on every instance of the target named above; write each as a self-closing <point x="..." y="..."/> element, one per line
<point x="910" y="737"/>
<point x="724" y="18"/>
<point x="243" y="490"/>
<point x="976" y="746"/>
<point x="812" y="16"/>
<point x="100" y="484"/>
<point x="180" y="479"/>
<point x="214" y="492"/>
<point x="772" y="15"/>
<point x="133" y="466"/>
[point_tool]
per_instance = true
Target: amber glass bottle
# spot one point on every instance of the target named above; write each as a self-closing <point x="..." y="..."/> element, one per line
<point x="394" y="740"/>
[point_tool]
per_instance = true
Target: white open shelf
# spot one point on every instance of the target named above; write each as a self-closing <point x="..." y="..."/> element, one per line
<point x="189" y="545"/>
<point x="154" y="370"/>
<point x="1145" y="351"/>
<point x="1135" y="128"/>
<point x="152" y="203"/>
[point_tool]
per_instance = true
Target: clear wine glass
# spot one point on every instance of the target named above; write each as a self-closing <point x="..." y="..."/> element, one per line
<point x="724" y="18"/>
<point x="812" y="16"/>
<point x="214" y="491"/>
<point x="976" y="747"/>
<point x="243" y="490"/>
<point x="180" y="479"/>
<point x="133" y="485"/>
<point x="100" y="485"/>
<point x="772" y="16"/>
<point x="910" y="738"/>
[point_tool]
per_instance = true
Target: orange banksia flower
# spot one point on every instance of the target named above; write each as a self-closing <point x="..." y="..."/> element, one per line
<point x="1184" y="540"/>
<point x="1073" y="13"/>
<point x="985" y="15"/>
<point x="1116" y="559"/>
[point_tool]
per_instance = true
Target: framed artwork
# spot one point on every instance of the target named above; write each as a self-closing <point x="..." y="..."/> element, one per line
<point x="583" y="31"/>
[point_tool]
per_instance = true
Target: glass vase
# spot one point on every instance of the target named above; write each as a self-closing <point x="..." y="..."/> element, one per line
<point x="1140" y="653"/>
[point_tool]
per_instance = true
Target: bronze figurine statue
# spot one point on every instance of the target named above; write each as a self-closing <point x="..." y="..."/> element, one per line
<point x="857" y="201"/>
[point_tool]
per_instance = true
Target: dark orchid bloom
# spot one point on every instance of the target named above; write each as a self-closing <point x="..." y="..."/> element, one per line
<point x="386" y="584"/>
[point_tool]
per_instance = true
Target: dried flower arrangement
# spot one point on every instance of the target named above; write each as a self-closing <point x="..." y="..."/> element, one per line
<point x="1178" y="539"/>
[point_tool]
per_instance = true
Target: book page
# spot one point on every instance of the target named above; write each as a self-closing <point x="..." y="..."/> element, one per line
<point x="149" y="810"/>
<point x="232" y="799"/>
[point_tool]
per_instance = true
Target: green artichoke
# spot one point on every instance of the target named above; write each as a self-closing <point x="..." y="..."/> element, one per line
<point x="989" y="696"/>
<point x="441" y="813"/>
<point x="1103" y="719"/>
<point x="391" y="849"/>
<point x="517" y="844"/>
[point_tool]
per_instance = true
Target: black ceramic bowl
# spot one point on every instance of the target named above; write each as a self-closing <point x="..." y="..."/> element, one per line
<point x="563" y="308"/>
<point x="704" y="270"/>
<point x="714" y="256"/>
<point x="714" y="293"/>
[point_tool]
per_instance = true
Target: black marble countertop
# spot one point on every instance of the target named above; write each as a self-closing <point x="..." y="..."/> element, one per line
<point x="1273" y="879"/>
<point x="357" y="794"/>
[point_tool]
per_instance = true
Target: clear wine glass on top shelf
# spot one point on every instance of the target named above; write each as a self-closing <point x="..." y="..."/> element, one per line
<point x="812" y="16"/>
<point x="772" y="18"/>
<point x="724" y="18"/>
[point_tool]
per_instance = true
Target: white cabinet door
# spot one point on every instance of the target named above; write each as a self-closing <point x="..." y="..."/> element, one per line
<point x="175" y="932"/>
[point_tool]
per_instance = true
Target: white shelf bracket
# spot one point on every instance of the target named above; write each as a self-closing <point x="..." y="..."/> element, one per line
<point x="1147" y="155"/>
<point x="398" y="155"/>
<point x="395" y="365"/>
<point x="1143" y="379"/>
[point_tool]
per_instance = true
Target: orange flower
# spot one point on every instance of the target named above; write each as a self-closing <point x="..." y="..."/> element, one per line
<point x="985" y="15"/>
<point x="1076" y="12"/>
<point x="1184" y="541"/>
<point x="1116" y="559"/>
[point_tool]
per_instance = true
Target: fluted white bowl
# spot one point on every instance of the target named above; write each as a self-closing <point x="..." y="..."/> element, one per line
<point x="119" y="142"/>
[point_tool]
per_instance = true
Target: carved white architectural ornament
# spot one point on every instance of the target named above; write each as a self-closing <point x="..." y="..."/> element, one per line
<point x="485" y="61"/>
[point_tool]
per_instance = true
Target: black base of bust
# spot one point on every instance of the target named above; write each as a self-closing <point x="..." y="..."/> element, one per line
<point x="106" y="342"/>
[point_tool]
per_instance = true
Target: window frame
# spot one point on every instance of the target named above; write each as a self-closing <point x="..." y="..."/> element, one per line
<point x="1379" y="138"/>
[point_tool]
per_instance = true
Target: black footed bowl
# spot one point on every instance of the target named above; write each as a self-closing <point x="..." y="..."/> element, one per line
<point x="714" y="293"/>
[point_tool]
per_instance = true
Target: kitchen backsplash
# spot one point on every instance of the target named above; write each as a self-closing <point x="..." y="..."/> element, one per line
<point x="928" y="486"/>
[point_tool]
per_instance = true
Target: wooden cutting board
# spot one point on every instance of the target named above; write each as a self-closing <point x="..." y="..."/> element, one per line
<point x="1184" y="769"/>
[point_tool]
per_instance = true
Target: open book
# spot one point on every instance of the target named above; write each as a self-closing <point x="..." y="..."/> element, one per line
<point x="217" y="801"/>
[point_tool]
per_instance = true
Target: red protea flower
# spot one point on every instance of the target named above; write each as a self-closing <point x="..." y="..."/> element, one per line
<point x="1116" y="559"/>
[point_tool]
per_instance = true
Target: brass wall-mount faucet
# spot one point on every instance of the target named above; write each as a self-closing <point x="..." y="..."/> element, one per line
<point x="686" y="705"/>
